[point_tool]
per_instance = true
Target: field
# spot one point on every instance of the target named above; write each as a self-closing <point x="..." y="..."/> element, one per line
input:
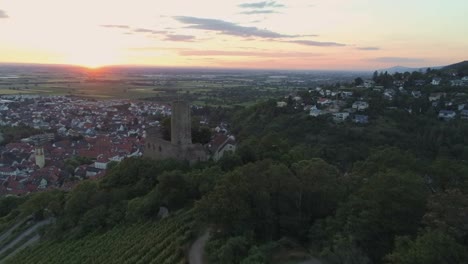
<point x="161" y="242"/>
<point x="211" y="93"/>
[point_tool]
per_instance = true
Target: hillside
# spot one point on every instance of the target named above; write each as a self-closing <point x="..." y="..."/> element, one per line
<point x="161" y="242"/>
<point x="460" y="68"/>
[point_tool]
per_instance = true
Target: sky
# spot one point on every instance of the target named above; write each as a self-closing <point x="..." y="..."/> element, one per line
<point x="283" y="34"/>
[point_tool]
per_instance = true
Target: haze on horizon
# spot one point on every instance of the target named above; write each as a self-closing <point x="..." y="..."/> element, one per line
<point x="294" y="34"/>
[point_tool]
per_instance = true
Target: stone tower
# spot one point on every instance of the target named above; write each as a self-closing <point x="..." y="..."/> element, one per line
<point x="39" y="156"/>
<point x="181" y="133"/>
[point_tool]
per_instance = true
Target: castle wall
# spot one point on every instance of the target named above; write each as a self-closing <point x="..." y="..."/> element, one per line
<point x="159" y="149"/>
<point x="180" y="147"/>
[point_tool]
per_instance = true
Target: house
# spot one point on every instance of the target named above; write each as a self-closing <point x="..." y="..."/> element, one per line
<point x="324" y="101"/>
<point x="399" y="83"/>
<point x="416" y="94"/>
<point x="220" y="145"/>
<point x="361" y="119"/>
<point x="101" y="162"/>
<point x="281" y="104"/>
<point x="92" y="171"/>
<point x="340" y="117"/>
<point x="360" y="105"/>
<point x="369" y="83"/>
<point x="436" y="81"/>
<point x="346" y="94"/>
<point x="419" y="82"/>
<point x="457" y="83"/>
<point x="435" y="96"/>
<point x="315" y="112"/>
<point x="464" y="114"/>
<point x="447" y="114"/>
<point x="389" y="94"/>
<point x="42" y="184"/>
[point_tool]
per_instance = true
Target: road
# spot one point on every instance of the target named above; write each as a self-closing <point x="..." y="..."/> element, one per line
<point x="198" y="248"/>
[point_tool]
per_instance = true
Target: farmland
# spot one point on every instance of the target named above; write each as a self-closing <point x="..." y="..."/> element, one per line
<point x="214" y="88"/>
<point x="162" y="242"/>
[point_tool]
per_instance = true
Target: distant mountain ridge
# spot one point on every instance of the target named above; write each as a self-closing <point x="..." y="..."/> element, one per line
<point x="459" y="67"/>
<point x="402" y="69"/>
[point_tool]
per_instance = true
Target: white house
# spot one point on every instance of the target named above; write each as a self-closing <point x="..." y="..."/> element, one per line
<point x="340" y="117"/>
<point x="220" y="145"/>
<point x="436" y="81"/>
<point x="447" y="115"/>
<point x="281" y="104"/>
<point x="315" y="112"/>
<point x="360" y="105"/>
<point x="416" y="94"/>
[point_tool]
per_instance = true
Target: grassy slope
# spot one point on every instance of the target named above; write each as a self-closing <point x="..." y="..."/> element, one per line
<point x="161" y="242"/>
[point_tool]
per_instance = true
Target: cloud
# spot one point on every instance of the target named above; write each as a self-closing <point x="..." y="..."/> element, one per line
<point x="116" y="26"/>
<point x="174" y="37"/>
<point x="368" y="48"/>
<point x="256" y="12"/>
<point x="317" y="43"/>
<point x="398" y="60"/>
<point x="228" y="28"/>
<point x="146" y="30"/>
<point x="264" y="4"/>
<point x="3" y="14"/>
<point x="227" y="53"/>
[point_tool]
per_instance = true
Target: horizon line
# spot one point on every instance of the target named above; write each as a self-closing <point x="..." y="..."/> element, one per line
<point x="207" y="67"/>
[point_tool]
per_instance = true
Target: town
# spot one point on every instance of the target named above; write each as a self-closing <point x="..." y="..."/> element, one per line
<point x="74" y="139"/>
<point x="70" y="138"/>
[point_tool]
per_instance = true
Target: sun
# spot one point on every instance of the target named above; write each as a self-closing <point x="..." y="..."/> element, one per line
<point x="92" y="58"/>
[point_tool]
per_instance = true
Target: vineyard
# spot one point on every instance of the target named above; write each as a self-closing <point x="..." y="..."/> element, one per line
<point x="161" y="242"/>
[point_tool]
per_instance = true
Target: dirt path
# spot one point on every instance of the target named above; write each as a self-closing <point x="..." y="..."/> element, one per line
<point x="198" y="248"/>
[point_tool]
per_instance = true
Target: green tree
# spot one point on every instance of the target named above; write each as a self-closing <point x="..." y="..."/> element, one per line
<point x="358" y="81"/>
<point x="448" y="211"/>
<point x="432" y="247"/>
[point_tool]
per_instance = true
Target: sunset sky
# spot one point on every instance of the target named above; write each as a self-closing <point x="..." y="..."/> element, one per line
<point x="287" y="34"/>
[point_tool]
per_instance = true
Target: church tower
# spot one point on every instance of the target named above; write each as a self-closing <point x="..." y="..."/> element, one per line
<point x="39" y="156"/>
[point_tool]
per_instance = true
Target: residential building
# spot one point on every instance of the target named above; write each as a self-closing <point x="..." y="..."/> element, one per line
<point x="447" y="114"/>
<point x="360" y="105"/>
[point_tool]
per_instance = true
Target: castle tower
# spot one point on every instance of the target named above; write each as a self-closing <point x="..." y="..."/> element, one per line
<point x="181" y="133"/>
<point x="40" y="157"/>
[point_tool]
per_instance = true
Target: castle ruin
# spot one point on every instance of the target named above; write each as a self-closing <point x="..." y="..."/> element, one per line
<point x="180" y="147"/>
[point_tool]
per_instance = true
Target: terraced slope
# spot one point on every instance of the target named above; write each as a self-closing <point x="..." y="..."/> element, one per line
<point x="161" y="242"/>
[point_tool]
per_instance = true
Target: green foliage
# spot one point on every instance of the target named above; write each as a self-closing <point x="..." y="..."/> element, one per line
<point x="228" y="251"/>
<point x="272" y="200"/>
<point x="387" y="203"/>
<point x="9" y="203"/>
<point x="136" y="177"/>
<point x="431" y="247"/>
<point x="173" y="189"/>
<point x="448" y="212"/>
<point x="43" y="204"/>
<point x="72" y="163"/>
<point x="160" y="242"/>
